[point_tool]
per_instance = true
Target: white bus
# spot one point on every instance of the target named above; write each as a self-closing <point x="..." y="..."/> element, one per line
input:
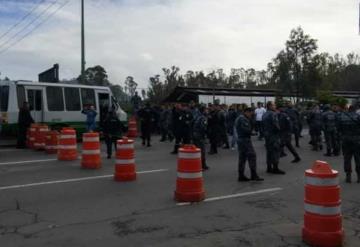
<point x="55" y="104"/>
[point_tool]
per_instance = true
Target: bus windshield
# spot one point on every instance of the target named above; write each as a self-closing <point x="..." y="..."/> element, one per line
<point x="4" y="98"/>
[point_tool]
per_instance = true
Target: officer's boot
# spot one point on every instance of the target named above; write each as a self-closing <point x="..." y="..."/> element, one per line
<point x="348" y="178"/>
<point x="176" y="147"/>
<point x="269" y="168"/>
<point x="296" y="160"/>
<point x="254" y="176"/>
<point x="243" y="178"/>
<point x="328" y="153"/>
<point x="276" y="170"/>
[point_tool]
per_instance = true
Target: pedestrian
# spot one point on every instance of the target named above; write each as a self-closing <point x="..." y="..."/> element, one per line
<point x="213" y="129"/>
<point x="245" y="146"/>
<point x="199" y="134"/>
<point x="224" y="139"/>
<point x="182" y="124"/>
<point x="349" y="128"/>
<point x="329" y="128"/>
<point x="112" y="130"/>
<point x="286" y="130"/>
<point x="147" y="120"/>
<point x="230" y="125"/>
<point x="259" y="112"/>
<point x="24" y="121"/>
<point x="315" y="126"/>
<point x="295" y="118"/>
<point x="272" y="139"/>
<point x="164" y="124"/>
<point x="91" y="114"/>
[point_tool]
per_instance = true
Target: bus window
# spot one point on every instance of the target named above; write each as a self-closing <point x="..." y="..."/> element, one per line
<point x="4" y="98"/>
<point x="55" y="98"/>
<point x="20" y="90"/>
<point x="88" y="97"/>
<point x="72" y="99"/>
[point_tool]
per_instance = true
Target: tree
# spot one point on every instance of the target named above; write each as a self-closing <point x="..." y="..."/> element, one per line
<point x="95" y="76"/>
<point x="300" y="48"/>
<point x="130" y="86"/>
<point x="156" y="89"/>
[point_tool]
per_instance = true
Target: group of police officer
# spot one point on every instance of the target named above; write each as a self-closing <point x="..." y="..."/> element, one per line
<point x="194" y="124"/>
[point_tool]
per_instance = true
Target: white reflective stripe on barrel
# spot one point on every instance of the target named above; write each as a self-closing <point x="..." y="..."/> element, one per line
<point x="44" y="130"/>
<point x="124" y="162"/>
<point x="32" y="138"/>
<point x="51" y="147"/>
<point x="67" y="136"/>
<point x="96" y="151"/>
<point x="183" y="155"/>
<point x="189" y="174"/>
<point x="322" y="210"/>
<point x="67" y="146"/>
<point x="91" y="139"/>
<point x="125" y="146"/>
<point x="321" y="181"/>
<point x="32" y="129"/>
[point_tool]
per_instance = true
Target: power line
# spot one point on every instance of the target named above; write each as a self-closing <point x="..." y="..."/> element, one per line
<point x="22" y="19"/>
<point x="37" y="26"/>
<point x="29" y="24"/>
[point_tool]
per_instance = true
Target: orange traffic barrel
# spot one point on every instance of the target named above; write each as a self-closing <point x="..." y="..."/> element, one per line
<point x="51" y="142"/>
<point x="132" y="127"/>
<point x="189" y="183"/>
<point x="125" y="160"/>
<point x="322" y="218"/>
<point x="91" y="151"/>
<point x="40" y="136"/>
<point x="67" y="149"/>
<point x="32" y="134"/>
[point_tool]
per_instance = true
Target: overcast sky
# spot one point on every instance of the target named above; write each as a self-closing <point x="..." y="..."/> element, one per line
<point x="139" y="37"/>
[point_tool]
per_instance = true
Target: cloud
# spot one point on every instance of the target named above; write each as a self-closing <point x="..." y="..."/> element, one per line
<point x="138" y="37"/>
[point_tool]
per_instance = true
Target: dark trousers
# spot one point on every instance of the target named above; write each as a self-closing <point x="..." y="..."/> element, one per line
<point x="273" y="150"/>
<point x="213" y="144"/>
<point x="200" y="143"/>
<point x="246" y="153"/>
<point x="183" y="138"/>
<point x="260" y="129"/>
<point x="110" y="141"/>
<point x="146" y="133"/>
<point x="331" y="143"/>
<point x="286" y="142"/>
<point x="351" y="148"/>
<point x="297" y="135"/>
<point x="21" y="138"/>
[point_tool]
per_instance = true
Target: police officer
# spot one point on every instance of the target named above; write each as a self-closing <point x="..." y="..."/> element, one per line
<point x="329" y="128"/>
<point x="199" y="133"/>
<point x="182" y="123"/>
<point x="349" y="127"/>
<point x="146" y="116"/>
<point x="24" y="122"/>
<point x="245" y="147"/>
<point x="164" y="124"/>
<point x="272" y="139"/>
<point x="213" y="129"/>
<point x="222" y="120"/>
<point x="315" y="125"/>
<point x="295" y="118"/>
<point x="286" y="130"/>
<point x="112" y="130"/>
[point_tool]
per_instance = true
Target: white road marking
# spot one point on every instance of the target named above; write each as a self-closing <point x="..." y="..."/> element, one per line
<point x="72" y="180"/>
<point x="211" y="199"/>
<point x="24" y="162"/>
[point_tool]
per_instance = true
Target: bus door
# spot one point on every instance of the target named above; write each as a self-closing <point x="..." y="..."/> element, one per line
<point x="35" y="99"/>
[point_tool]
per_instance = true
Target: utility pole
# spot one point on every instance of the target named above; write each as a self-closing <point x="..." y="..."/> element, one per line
<point x="82" y="43"/>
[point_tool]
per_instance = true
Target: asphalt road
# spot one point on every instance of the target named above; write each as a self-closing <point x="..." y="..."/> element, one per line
<point x="45" y="202"/>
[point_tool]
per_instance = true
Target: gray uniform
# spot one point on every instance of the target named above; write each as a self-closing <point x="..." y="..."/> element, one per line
<point x="272" y="139"/>
<point x="199" y="135"/>
<point x="349" y="127"/>
<point x="329" y="128"/>
<point x="245" y="147"/>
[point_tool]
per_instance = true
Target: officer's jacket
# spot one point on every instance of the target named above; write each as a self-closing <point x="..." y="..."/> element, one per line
<point x="200" y="127"/>
<point x="243" y="127"/>
<point x="271" y="124"/>
<point x="286" y="125"/>
<point x="349" y="124"/>
<point x="329" y="120"/>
